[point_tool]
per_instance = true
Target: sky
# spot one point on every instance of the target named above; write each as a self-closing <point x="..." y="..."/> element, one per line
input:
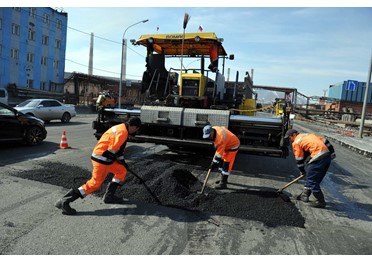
<point x="305" y="47"/>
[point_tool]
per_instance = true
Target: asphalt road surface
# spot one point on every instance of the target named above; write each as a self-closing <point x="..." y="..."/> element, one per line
<point x="31" y="225"/>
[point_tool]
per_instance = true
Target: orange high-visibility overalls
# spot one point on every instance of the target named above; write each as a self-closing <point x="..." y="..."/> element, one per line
<point x="108" y="149"/>
<point x="310" y="144"/>
<point x="311" y="151"/>
<point x="227" y="145"/>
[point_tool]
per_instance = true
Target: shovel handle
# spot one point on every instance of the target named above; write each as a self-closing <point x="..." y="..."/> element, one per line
<point x="143" y="183"/>
<point x="290" y="183"/>
<point x="205" y="181"/>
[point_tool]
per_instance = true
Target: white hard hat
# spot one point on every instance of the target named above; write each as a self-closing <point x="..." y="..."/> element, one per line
<point x="207" y="131"/>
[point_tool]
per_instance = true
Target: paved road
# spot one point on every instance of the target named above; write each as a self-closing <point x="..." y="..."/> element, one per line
<point x="31" y="225"/>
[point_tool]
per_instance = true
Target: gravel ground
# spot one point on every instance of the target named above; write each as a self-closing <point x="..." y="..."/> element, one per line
<point x="175" y="186"/>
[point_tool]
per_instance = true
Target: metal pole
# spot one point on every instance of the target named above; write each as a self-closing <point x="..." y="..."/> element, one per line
<point x="365" y="101"/>
<point x="121" y="73"/>
<point x="123" y="60"/>
<point x="124" y="51"/>
<point x="186" y="19"/>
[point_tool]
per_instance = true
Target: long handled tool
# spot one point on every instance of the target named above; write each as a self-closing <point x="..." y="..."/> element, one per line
<point x="292" y="182"/>
<point x="205" y="181"/>
<point x="280" y="191"/>
<point x="144" y="184"/>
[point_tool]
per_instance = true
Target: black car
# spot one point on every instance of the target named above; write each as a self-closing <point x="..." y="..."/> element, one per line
<point x="16" y="126"/>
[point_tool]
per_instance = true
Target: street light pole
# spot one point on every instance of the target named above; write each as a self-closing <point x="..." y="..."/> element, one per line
<point x="361" y="128"/>
<point x="124" y="59"/>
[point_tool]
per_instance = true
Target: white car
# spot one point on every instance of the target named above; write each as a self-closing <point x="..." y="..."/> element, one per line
<point x="47" y="109"/>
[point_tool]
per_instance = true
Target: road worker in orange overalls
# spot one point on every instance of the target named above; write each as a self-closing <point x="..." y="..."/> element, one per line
<point x="227" y="146"/>
<point x="107" y="157"/>
<point x="315" y="154"/>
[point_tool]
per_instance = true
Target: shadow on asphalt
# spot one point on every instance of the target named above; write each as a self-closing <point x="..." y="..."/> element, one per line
<point x="59" y="123"/>
<point x="142" y="208"/>
<point x="28" y="152"/>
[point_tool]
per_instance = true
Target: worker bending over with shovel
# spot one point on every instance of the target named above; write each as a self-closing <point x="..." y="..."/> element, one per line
<point x="315" y="154"/>
<point x="107" y="157"/>
<point x="227" y="146"/>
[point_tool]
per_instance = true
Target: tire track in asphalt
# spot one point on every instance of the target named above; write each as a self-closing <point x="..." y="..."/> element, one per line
<point x="23" y="202"/>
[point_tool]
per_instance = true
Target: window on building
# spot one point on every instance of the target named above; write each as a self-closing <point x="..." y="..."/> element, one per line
<point x="56" y="64"/>
<point x="44" y="60"/>
<point x="1" y="23"/>
<point x="15" y="29"/>
<point x="30" y="83"/>
<point x="45" y="40"/>
<point x="46" y="18"/>
<point x="30" y="57"/>
<point x="32" y="11"/>
<point x="31" y="34"/>
<point x="58" y="43"/>
<point x="18" y="9"/>
<point x="59" y="23"/>
<point x="14" y="53"/>
<point x="42" y="85"/>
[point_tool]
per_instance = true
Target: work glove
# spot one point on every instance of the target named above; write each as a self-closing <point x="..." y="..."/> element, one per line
<point x="122" y="162"/>
<point x="213" y="165"/>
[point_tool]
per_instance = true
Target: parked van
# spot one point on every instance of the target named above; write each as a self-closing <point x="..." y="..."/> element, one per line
<point x="3" y="96"/>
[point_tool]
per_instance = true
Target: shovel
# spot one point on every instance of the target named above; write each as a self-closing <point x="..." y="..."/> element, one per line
<point x="280" y="191"/>
<point x="205" y="181"/>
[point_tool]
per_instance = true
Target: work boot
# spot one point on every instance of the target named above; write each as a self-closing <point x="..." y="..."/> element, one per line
<point x="304" y="196"/>
<point x="319" y="202"/>
<point x="64" y="202"/>
<point x="109" y="196"/>
<point x="222" y="184"/>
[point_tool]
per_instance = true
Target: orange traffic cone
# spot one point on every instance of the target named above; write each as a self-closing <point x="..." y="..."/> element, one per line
<point x="64" y="144"/>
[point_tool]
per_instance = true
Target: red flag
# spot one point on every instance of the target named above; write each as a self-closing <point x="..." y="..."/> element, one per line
<point x="200" y="28"/>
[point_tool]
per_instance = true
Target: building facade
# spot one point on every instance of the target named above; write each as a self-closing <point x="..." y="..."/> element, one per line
<point x="350" y="91"/>
<point x="348" y="97"/>
<point x="84" y="89"/>
<point x="32" y="52"/>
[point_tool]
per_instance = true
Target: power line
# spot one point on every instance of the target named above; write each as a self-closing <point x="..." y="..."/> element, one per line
<point x="40" y="17"/>
<point x="112" y="41"/>
<point x="77" y="30"/>
<point x="106" y="39"/>
<point x="115" y="73"/>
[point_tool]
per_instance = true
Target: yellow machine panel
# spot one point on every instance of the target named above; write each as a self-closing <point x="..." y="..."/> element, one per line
<point x="194" y="44"/>
<point x="248" y="106"/>
<point x="279" y="106"/>
<point x="192" y="85"/>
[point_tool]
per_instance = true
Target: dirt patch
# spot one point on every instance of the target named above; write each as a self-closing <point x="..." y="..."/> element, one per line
<point x="175" y="186"/>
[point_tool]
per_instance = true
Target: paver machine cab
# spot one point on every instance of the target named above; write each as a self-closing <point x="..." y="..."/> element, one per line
<point x="198" y="87"/>
<point x="174" y="114"/>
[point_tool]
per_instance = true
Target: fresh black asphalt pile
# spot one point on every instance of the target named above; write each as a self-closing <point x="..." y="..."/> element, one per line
<point x="175" y="186"/>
